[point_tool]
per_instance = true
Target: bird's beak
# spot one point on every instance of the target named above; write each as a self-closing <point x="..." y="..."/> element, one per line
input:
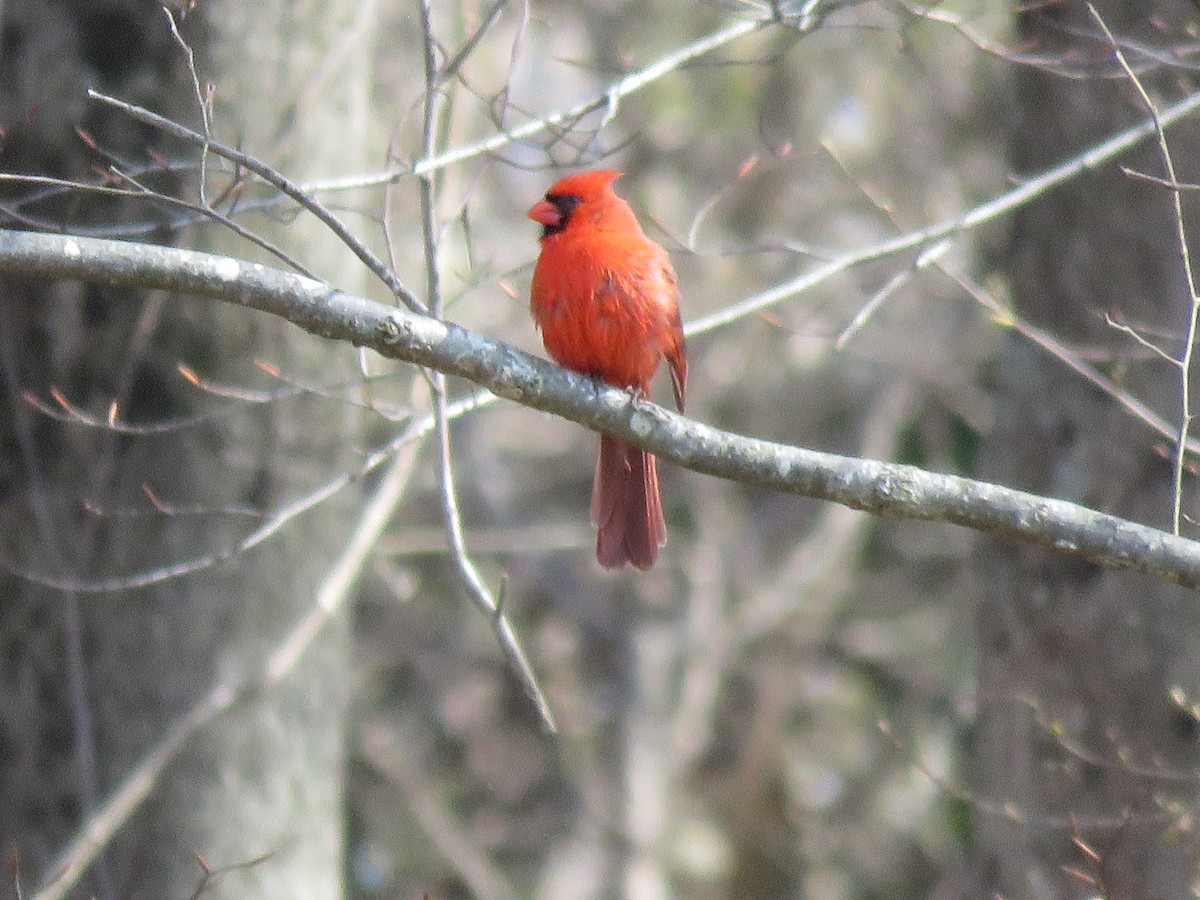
<point x="545" y="212"/>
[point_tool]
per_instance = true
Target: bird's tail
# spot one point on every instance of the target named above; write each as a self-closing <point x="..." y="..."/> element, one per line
<point x="626" y="506"/>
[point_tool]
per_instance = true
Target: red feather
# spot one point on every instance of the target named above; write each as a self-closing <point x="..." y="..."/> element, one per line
<point x="606" y="299"/>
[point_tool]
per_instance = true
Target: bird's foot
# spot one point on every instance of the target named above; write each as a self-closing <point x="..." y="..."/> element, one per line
<point x="637" y="396"/>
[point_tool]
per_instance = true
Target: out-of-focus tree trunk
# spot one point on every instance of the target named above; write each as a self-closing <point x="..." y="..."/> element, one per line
<point x="92" y="683"/>
<point x="1095" y="652"/>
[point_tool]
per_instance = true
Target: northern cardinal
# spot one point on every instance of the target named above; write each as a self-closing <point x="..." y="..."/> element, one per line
<point x="607" y="302"/>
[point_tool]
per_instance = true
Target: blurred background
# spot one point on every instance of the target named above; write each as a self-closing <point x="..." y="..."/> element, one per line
<point x="797" y="700"/>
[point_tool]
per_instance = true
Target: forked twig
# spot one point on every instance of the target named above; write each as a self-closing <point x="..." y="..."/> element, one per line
<point x="973" y="218"/>
<point x="1184" y="362"/>
<point x="467" y="572"/>
<point x="373" y="263"/>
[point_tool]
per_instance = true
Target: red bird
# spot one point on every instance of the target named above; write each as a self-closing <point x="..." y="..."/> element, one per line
<point x="607" y="302"/>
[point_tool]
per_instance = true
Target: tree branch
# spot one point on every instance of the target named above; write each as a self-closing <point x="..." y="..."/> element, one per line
<point x="877" y="487"/>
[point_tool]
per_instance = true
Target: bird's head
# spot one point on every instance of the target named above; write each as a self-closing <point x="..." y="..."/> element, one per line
<point x="579" y="198"/>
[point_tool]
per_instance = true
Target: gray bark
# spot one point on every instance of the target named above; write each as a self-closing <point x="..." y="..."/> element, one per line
<point x="1062" y="643"/>
<point x="92" y="683"/>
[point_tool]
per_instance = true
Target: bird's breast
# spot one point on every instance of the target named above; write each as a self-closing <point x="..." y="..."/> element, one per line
<point x="602" y="313"/>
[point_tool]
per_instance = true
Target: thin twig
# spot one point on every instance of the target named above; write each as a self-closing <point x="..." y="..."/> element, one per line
<point x="1189" y="341"/>
<point x="608" y="99"/>
<point x="105" y="823"/>
<point x="452" y="519"/>
<point x="929" y="257"/>
<point x="810" y="582"/>
<point x="63" y="410"/>
<point x="270" y="526"/>
<point x="55" y="549"/>
<point x="935" y="255"/>
<point x="202" y="102"/>
<point x="975" y="217"/>
<point x="450" y="69"/>
<point x="436" y="813"/>
<point x="377" y="267"/>
<point x="1009" y="810"/>
<point x="1140" y="339"/>
<point x="1008" y="318"/>
<point x="204" y="209"/>
<point x="138" y="191"/>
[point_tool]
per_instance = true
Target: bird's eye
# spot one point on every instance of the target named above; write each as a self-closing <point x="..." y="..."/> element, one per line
<point x="564" y="203"/>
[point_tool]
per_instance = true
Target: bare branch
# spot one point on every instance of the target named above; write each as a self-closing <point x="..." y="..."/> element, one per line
<point x="877" y="487"/>
<point x="373" y="263"/>
<point x="467" y="572"/>
<point x="1189" y="341"/>
<point x="983" y="213"/>
<point x="1009" y="810"/>
<point x="1007" y="318"/>
<point x="609" y="99"/>
<point x="107" y="820"/>
<point x="487" y="20"/>
<point x="434" y="811"/>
